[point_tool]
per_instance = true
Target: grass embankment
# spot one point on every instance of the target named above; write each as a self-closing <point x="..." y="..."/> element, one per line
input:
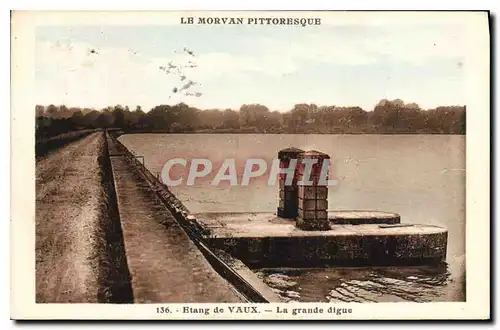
<point x="44" y="146"/>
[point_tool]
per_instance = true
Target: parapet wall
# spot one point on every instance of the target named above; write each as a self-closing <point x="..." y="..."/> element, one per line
<point x="352" y="250"/>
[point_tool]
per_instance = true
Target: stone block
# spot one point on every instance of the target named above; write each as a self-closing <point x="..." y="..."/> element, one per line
<point x="312" y="204"/>
<point x="314" y="170"/>
<point x="288" y="195"/>
<point x="287" y="213"/>
<point x="291" y="204"/>
<point x="311" y="192"/>
<point x="312" y="180"/>
<point x="283" y="186"/>
<point x="313" y="215"/>
<point x="289" y="153"/>
<point x="316" y="224"/>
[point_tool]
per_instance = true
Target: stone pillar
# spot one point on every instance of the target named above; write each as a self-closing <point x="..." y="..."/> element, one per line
<point x="312" y="194"/>
<point x="288" y="194"/>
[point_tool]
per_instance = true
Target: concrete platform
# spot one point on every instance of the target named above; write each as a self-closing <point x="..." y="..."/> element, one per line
<point x="363" y="217"/>
<point x="238" y="224"/>
<point x="263" y="239"/>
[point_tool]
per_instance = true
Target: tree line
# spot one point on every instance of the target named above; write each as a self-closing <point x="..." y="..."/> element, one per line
<point x="388" y="117"/>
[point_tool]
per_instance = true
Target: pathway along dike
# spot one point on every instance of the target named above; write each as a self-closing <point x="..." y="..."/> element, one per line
<point x="79" y="246"/>
<point x="165" y="263"/>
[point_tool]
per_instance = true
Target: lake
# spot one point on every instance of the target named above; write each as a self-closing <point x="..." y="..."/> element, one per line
<point x="421" y="177"/>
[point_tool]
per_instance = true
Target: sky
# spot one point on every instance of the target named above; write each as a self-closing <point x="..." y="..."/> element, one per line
<point x="277" y="66"/>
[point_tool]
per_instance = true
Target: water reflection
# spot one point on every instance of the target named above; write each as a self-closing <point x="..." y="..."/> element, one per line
<point x="387" y="284"/>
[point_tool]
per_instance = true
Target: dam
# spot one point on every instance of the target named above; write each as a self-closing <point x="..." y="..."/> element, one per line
<point x="301" y="233"/>
<point x="168" y="254"/>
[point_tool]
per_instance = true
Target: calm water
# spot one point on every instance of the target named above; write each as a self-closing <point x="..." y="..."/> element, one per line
<point x="421" y="177"/>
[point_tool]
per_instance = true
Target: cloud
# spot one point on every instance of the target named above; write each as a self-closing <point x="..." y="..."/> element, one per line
<point x="321" y="48"/>
<point x="416" y="45"/>
<point x="419" y="46"/>
<point x="218" y="64"/>
<point x="72" y="74"/>
<point x="75" y="76"/>
<point x="67" y="73"/>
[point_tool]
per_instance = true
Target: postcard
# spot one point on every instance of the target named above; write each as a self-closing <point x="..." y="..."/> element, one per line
<point x="285" y="165"/>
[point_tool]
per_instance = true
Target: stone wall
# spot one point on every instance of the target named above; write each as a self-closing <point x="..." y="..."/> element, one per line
<point x="350" y="250"/>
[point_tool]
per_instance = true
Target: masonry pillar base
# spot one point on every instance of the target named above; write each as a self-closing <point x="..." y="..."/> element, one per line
<point x="312" y="225"/>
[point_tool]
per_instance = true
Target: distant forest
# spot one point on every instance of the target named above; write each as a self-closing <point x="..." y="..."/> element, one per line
<point x="388" y="117"/>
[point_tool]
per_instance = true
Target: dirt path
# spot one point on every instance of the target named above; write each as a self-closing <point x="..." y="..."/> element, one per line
<point x="67" y="216"/>
<point x="165" y="265"/>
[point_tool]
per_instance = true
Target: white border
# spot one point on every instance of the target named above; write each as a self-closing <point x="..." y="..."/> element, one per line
<point x="22" y="227"/>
